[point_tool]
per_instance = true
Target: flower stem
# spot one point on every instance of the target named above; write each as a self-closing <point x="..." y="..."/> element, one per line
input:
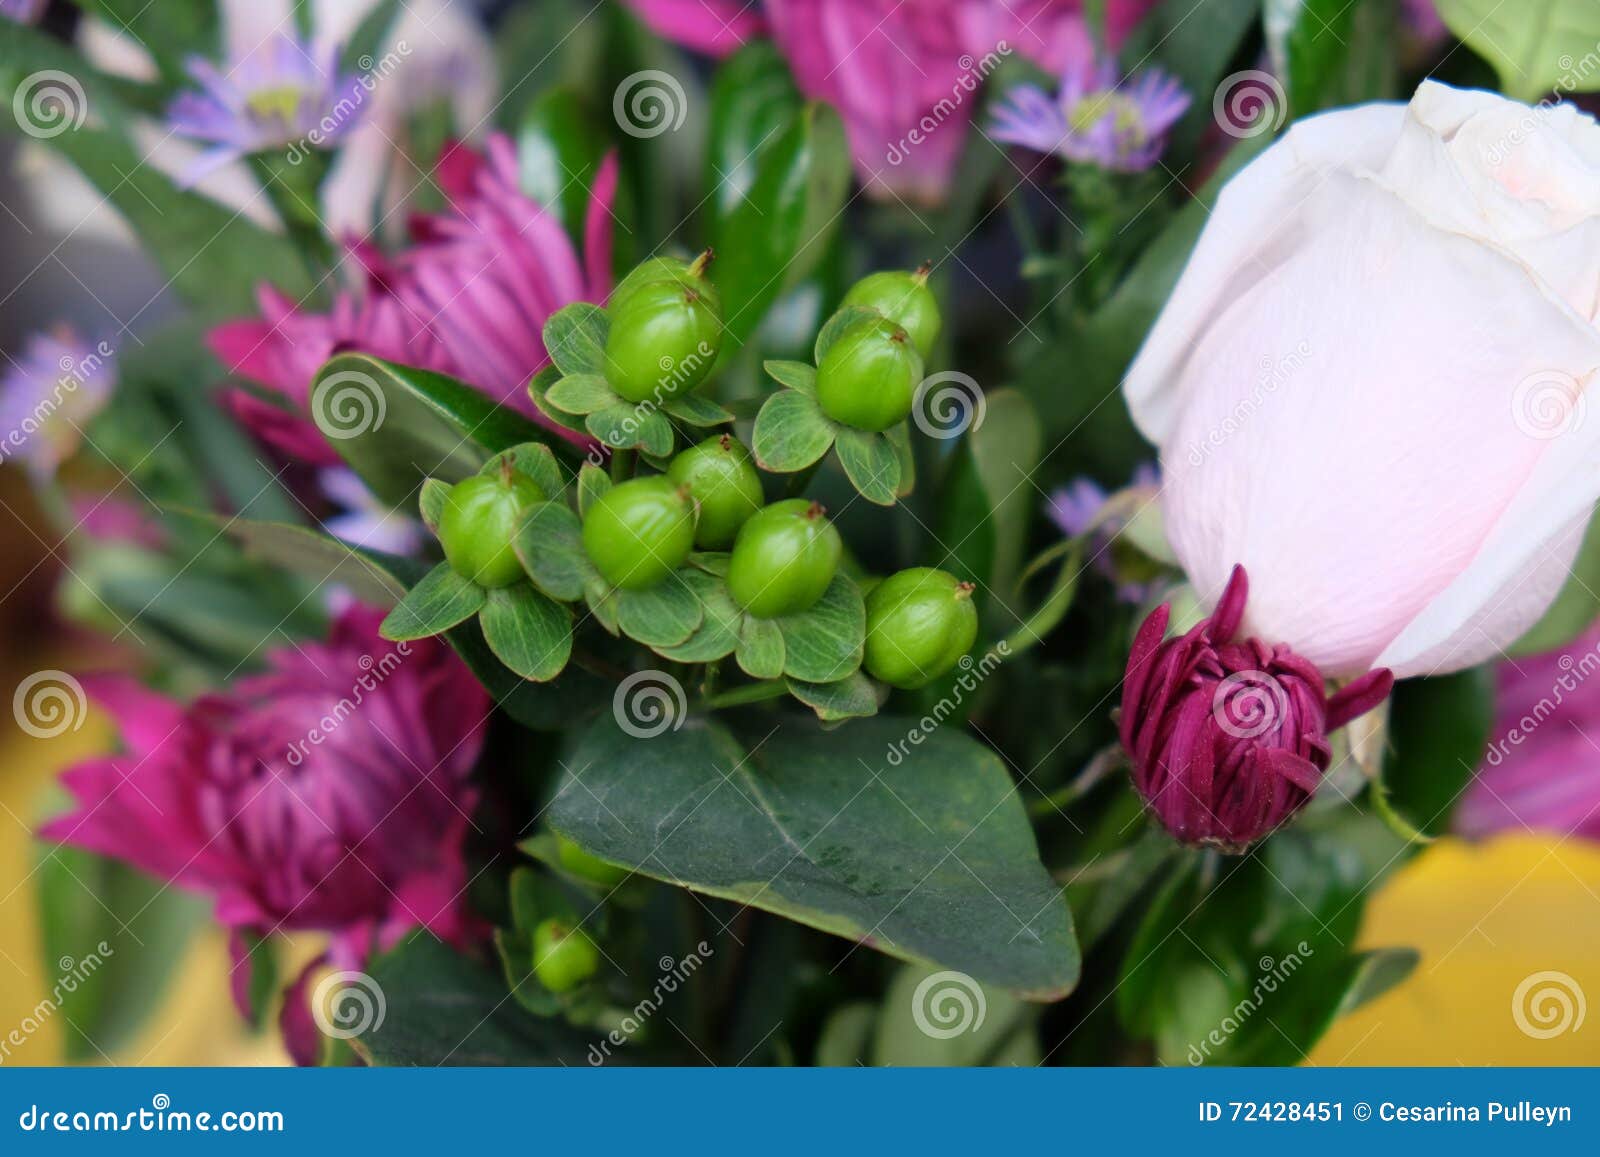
<point x="749" y="693"/>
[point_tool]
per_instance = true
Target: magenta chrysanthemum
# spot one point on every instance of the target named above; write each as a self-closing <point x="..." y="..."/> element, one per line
<point x="1229" y="736"/>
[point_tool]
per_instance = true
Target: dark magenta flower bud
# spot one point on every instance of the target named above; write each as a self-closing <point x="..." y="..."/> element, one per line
<point x="1229" y="737"/>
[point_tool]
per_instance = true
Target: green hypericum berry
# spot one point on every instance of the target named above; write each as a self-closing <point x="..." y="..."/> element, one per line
<point x="639" y="532"/>
<point x="784" y="559"/>
<point x="906" y="300"/>
<point x="666" y="330"/>
<point x="868" y="379"/>
<point x="563" y="956"/>
<point x="723" y="479"/>
<point x="588" y="867"/>
<point x="481" y="517"/>
<point x="919" y="624"/>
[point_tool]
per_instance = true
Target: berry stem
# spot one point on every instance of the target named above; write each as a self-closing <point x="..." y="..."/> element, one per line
<point x="622" y="464"/>
<point x="801" y="479"/>
<point x="749" y="693"/>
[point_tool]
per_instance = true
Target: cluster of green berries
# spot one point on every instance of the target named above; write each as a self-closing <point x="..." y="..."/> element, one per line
<point x="868" y="378"/>
<point x="666" y="329"/>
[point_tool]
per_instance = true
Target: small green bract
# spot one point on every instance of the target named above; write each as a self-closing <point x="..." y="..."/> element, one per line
<point x="906" y="300"/>
<point x="723" y="479"/>
<point x="563" y="957"/>
<point x="639" y="532"/>
<point x="588" y="867"/>
<point x="480" y="519"/>
<point x="919" y="624"/>
<point x="868" y="379"/>
<point x="784" y="559"/>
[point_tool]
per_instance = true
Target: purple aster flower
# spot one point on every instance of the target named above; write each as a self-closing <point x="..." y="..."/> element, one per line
<point x="23" y="11"/>
<point x="1074" y="509"/>
<point x="1095" y="118"/>
<point x="363" y="520"/>
<point x="59" y="382"/>
<point x="275" y="96"/>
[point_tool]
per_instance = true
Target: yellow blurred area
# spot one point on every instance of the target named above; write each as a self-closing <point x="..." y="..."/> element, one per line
<point x="1484" y="918"/>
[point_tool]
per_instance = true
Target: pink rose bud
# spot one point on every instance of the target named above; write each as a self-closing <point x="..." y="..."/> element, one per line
<point x="1229" y="735"/>
<point x="1370" y="385"/>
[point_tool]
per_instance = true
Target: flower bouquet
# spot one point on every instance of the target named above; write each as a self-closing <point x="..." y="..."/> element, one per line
<point x="810" y="533"/>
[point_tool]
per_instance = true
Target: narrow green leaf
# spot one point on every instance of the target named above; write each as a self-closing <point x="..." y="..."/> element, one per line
<point x="538" y="462"/>
<point x="582" y="394"/>
<point x="695" y="409"/>
<point x="431" y="502"/>
<point x="441" y="600"/>
<point x="760" y="651"/>
<point x="559" y="151"/>
<point x="1534" y="46"/>
<point x="593" y="485"/>
<point x="870" y="462"/>
<point x="575" y="337"/>
<point x="630" y="427"/>
<point x="550" y="547"/>
<point x="718" y="632"/>
<point x="793" y="375"/>
<point x="823" y="643"/>
<point x="531" y="634"/>
<point x="663" y="616"/>
<point x="852" y="697"/>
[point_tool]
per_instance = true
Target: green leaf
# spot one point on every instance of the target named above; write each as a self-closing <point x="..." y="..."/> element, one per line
<point x="575" y="337"/>
<point x="791" y="432"/>
<point x="593" y="485"/>
<point x="696" y="410"/>
<point x="260" y="960"/>
<point x="793" y="375"/>
<point x="527" y="631"/>
<point x="539" y="388"/>
<point x="760" y="651"/>
<point x="170" y="32"/>
<point x="823" y="643"/>
<point x="1309" y="41"/>
<point x="753" y="99"/>
<point x="1534" y="46"/>
<point x="721" y="619"/>
<point x="582" y="394"/>
<point x="443" y="1009"/>
<point x="1246" y="960"/>
<point x="1047" y="616"/>
<point x="1575" y="608"/>
<point x="559" y="151"/>
<point x="552" y="706"/>
<point x="1439" y="728"/>
<point x="550" y="547"/>
<point x="778" y="233"/>
<point x="396" y="425"/>
<point x="900" y="441"/>
<point x="919" y="849"/>
<point x="992" y="495"/>
<point x="1195" y="52"/>
<point x="628" y="427"/>
<point x="441" y="600"/>
<point x="870" y="462"/>
<point x="663" y="616"/>
<point x="114" y="935"/>
<point x="318" y="556"/>
<point x="834" y="328"/>
<point x="538" y="462"/>
<point x="933" y="1017"/>
<point x="432" y="501"/>
<point x="846" y="1036"/>
<point x="852" y="697"/>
